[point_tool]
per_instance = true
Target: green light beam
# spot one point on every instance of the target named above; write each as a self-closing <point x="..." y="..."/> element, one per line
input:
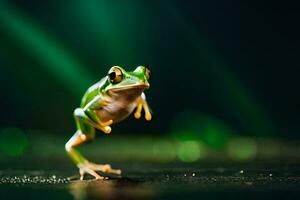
<point x="56" y="60"/>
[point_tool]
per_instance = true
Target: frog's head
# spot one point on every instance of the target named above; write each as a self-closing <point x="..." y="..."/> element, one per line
<point x="130" y="83"/>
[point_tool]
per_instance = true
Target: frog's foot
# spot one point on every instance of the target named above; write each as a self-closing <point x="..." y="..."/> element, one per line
<point x="85" y="168"/>
<point x="105" y="168"/>
<point x="92" y="168"/>
<point x="105" y="126"/>
<point x="141" y="103"/>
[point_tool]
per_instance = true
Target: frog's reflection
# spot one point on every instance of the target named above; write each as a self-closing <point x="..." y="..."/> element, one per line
<point x="110" y="189"/>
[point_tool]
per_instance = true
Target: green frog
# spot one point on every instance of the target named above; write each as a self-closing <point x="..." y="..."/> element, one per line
<point x="108" y="101"/>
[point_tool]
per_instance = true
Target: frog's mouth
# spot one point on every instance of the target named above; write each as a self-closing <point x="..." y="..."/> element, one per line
<point x="129" y="93"/>
<point x="141" y="87"/>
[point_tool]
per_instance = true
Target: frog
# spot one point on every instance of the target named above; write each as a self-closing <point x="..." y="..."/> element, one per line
<point x="107" y="102"/>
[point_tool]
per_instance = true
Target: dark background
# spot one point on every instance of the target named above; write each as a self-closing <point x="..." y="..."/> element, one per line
<point x="224" y="94"/>
<point x="236" y="62"/>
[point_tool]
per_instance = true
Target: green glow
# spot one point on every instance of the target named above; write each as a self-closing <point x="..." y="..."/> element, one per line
<point x="13" y="141"/>
<point x="142" y="148"/>
<point x="56" y="60"/>
<point x="164" y="151"/>
<point x="215" y="138"/>
<point x="242" y="149"/>
<point x="193" y="125"/>
<point x="102" y="20"/>
<point x="190" y="151"/>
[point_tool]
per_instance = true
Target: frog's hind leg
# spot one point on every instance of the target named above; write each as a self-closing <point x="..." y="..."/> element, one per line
<point x="83" y="134"/>
<point x="77" y="139"/>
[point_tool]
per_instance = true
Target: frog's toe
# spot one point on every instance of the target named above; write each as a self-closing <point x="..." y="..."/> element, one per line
<point x="148" y="116"/>
<point x="108" y="123"/>
<point x="105" y="129"/>
<point x="137" y="115"/>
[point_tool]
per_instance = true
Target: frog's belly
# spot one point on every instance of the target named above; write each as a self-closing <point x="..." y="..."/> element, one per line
<point x="115" y="111"/>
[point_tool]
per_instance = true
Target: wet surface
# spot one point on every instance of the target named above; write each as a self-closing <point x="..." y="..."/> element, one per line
<point x="149" y="182"/>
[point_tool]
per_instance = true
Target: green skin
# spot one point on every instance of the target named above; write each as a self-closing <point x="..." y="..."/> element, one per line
<point x="106" y="103"/>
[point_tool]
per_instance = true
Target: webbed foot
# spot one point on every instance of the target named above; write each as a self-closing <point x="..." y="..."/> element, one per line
<point x="92" y="168"/>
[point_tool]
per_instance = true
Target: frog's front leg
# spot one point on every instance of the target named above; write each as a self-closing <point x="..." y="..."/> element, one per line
<point x="86" y="132"/>
<point x="88" y="117"/>
<point x="141" y="103"/>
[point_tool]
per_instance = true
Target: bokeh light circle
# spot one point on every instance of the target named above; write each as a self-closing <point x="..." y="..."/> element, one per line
<point x="190" y="151"/>
<point x="13" y="141"/>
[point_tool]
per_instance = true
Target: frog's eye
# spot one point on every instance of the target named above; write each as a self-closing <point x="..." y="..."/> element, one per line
<point x="147" y="73"/>
<point x="115" y="75"/>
